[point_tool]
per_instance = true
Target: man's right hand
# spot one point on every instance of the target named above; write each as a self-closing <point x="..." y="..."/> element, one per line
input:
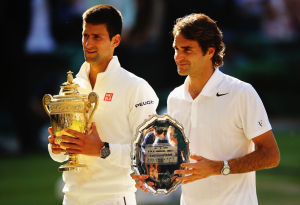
<point x="140" y="182"/>
<point x="56" y="149"/>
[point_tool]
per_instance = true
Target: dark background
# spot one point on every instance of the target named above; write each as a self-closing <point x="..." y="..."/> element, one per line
<point x="262" y="48"/>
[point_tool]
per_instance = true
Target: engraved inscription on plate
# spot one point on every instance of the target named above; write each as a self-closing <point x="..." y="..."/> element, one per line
<point x="159" y="149"/>
<point x="161" y="154"/>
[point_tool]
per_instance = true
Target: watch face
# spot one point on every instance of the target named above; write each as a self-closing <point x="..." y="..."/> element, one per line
<point x="105" y="152"/>
<point x="226" y="171"/>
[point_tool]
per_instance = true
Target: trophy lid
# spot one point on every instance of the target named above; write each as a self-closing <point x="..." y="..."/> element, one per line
<point x="69" y="88"/>
<point x="69" y="99"/>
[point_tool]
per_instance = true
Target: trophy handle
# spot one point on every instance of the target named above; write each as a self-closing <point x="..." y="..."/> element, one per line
<point x="92" y="98"/>
<point x="46" y="100"/>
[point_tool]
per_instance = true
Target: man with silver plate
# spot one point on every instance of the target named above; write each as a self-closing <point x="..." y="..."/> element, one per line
<point x="224" y="118"/>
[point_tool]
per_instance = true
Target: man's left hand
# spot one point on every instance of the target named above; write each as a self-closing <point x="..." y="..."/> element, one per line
<point x="87" y="144"/>
<point x="140" y="182"/>
<point x="201" y="169"/>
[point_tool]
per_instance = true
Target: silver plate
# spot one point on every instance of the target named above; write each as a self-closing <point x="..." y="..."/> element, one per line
<point x="160" y="148"/>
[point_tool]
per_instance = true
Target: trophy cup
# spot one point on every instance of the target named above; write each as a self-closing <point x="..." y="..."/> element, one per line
<point x="72" y="110"/>
<point x="159" y="149"/>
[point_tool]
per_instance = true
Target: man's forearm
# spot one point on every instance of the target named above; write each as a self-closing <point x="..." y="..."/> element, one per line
<point x="265" y="156"/>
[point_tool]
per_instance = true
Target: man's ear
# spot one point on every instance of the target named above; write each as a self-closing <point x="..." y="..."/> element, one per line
<point x="116" y="40"/>
<point x="211" y="52"/>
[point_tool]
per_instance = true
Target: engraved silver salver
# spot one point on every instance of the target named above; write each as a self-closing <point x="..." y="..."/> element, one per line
<point x="159" y="149"/>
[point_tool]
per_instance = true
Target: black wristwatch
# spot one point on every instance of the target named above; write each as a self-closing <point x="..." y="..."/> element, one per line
<point x="105" y="151"/>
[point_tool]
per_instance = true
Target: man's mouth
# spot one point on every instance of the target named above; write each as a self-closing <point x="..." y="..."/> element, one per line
<point x="182" y="64"/>
<point x="90" y="51"/>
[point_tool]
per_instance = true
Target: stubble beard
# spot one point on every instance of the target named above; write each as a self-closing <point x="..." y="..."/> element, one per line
<point x="182" y="72"/>
<point x="92" y="59"/>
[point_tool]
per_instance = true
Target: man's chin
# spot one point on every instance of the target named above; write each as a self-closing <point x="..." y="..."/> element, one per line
<point x="182" y="72"/>
<point x="91" y="60"/>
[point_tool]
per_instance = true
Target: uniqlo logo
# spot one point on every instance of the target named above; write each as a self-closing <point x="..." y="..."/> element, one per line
<point x="108" y="96"/>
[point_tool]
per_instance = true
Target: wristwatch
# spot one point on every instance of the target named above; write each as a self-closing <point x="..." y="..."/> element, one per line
<point x="226" y="168"/>
<point x="105" y="151"/>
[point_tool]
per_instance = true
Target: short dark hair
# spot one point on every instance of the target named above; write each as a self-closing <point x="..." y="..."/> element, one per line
<point x="104" y="14"/>
<point x="204" y="30"/>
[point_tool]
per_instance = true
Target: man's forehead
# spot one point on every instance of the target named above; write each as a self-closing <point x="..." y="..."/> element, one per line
<point x="185" y="44"/>
<point x="179" y="39"/>
<point x="95" y="28"/>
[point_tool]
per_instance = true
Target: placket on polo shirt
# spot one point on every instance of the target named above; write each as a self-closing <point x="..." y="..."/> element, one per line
<point x="200" y="117"/>
<point x="208" y="90"/>
<point x="102" y="77"/>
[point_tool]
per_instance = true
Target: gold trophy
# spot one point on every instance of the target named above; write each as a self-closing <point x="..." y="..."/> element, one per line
<point x="72" y="110"/>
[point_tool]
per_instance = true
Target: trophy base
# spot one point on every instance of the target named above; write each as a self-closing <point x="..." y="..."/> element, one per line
<point x="70" y="167"/>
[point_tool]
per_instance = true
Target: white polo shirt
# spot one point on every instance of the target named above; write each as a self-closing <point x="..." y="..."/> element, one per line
<point x="220" y="123"/>
<point x="125" y="101"/>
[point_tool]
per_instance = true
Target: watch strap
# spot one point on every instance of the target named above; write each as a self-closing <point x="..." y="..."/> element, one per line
<point x="106" y="144"/>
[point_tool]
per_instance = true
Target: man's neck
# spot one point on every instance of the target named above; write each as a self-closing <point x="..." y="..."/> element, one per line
<point x="96" y="68"/>
<point x="196" y="83"/>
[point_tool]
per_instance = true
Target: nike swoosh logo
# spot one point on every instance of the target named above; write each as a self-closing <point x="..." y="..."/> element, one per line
<point x="221" y="94"/>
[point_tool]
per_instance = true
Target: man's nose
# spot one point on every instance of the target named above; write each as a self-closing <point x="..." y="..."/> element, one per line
<point x="88" y="43"/>
<point x="178" y="56"/>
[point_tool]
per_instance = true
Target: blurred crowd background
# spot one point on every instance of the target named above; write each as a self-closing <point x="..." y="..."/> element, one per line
<point x="41" y="41"/>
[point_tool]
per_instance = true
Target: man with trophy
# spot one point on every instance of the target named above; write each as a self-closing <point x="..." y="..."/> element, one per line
<point x="125" y="101"/>
<point x="223" y="117"/>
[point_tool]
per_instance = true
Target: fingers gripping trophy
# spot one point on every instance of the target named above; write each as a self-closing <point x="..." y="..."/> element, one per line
<point x="71" y="110"/>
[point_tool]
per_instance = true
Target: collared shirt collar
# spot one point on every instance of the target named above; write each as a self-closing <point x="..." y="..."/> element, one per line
<point x="210" y="87"/>
<point x="113" y="64"/>
<point x="84" y="72"/>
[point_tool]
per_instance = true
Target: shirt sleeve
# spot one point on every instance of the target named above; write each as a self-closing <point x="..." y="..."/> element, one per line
<point x="143" y="104"/>
<point x="253" y="114"/>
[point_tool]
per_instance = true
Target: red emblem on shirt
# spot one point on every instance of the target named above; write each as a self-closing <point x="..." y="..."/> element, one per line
<point x="108" y="96"/>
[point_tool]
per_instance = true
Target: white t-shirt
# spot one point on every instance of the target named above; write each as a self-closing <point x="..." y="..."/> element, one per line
<point x="220" y="123"/>
<point x="125" y="101"/>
